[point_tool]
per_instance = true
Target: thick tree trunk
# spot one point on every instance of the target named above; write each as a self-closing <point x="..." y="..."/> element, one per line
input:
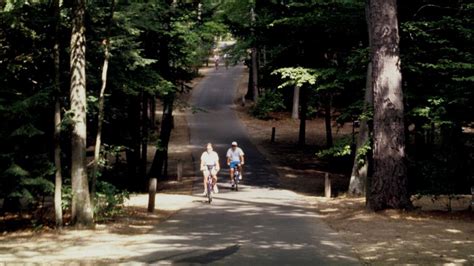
<point x="389" y="181"/>
<point x="358" y="181"/>
<point x="328" y="120"/>
<point x="100" y="119"/>
<point x="82" y="215"/>
<point x="58" y="180"/>
<point x="296" y="102"/>
<point x="303" y="115"/>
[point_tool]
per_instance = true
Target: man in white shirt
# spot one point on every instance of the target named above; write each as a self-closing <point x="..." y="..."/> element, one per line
<point x="210" y="166"/>
<point x="235" y="159"/>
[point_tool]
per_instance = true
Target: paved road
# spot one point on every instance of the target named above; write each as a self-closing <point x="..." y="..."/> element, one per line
<point x="258" y="225"/>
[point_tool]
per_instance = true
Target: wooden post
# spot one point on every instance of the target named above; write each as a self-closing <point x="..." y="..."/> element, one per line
<point x="327" y="186"/>
<point x="273" y="135"/>
<point x="152" y="194"/>
<point x="179" y="171"/>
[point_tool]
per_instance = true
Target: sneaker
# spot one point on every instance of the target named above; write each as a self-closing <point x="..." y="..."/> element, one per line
<point x="233" y="185"/>
<point x="216" y="190"/>
<point x="204" y="194"/>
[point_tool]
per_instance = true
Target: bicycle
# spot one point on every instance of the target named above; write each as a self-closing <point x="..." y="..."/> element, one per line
<point x="210" y="185"/>
<point x="236" y="177"/>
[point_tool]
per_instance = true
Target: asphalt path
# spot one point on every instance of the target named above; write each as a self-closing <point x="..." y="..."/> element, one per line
<point x="257" y="225"/>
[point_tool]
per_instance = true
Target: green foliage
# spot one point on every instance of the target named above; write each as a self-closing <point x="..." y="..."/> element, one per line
<point x="298" y="76"/>
<point x="109" y="200"/>
<point x="30" y="186"/>
<point x="341" y="148"/>
<point x="362" y="152"/>
<point x="269" y="102"/>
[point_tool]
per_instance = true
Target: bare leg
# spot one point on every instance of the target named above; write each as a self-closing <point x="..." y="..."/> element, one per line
<point x="231" y="173"/>
<point x="214" y="181"/>
<point x="205" y="174"/>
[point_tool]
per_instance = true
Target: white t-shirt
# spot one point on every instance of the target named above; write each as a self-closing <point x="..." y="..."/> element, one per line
<point x="209" y="158"/>
<point x="234" y="155"/>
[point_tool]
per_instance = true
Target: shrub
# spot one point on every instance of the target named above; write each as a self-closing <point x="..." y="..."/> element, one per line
<point x="271" y="101"/>
<point x="108" y="202"/>
<point x="341" y="148"/>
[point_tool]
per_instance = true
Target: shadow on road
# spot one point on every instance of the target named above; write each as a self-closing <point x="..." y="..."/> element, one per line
<point x="248" y="229"/>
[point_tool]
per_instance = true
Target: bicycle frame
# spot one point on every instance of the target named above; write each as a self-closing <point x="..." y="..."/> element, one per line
<point x="209" y="185"/>
<point x="235" y="177"/>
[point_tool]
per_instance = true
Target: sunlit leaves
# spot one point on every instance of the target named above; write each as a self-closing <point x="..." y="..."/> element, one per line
<point x="296" y="76"/>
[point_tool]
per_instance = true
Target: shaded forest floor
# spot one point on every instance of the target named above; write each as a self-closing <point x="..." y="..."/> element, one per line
<point x="389" y="237"/>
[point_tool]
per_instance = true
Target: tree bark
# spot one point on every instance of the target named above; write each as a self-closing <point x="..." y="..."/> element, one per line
<point x="303" y="115"/>
<point x="254" y="75"/>
<point x="58" y="180"/>
<point x="328" y="120"/>
<point x="159" y="160"/>
<point x="389" y="181"/>
<point x="82" y="215"/>
<point x="254" y="60"/>
<point x="145" y="127"/>
<point x="100" y="119"/>
<point x="152" y="115"/>
<point x="134" y="144"/>
<point x="358" y="181"/>
<point x="151" y="194"/>
<point x="296" y="102"/>
<point x="249" y="94"/>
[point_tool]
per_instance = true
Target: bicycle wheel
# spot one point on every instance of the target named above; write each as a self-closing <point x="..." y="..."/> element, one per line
<point x="209" y="193"/>
<point x="236" y="182"/>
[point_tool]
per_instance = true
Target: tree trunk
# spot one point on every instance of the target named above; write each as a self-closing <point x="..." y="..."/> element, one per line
<point x="100" y="119"/>
<point x="134" y="144"/>
<point x="328" y="120"/>
<point x="145" y="127"/>
<point x="357" y="184"/>
<point x="254" y="75"/>
<point x="159" y="160"/>
<point x="296" y="103"/>
<point x="254" y="60"/>
<point x="82" y="215"/>
<point x="152" y="115"/>
<point x="151" y="194"/>
<point x="249" y="94"/>
<point x="161" y="153"/>
<point x="303" y="115"/>
<point x="389" y="181"/>
<point x="58" y="180"/>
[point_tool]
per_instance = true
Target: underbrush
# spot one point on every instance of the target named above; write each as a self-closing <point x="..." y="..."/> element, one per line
<point x="108" y="203"/>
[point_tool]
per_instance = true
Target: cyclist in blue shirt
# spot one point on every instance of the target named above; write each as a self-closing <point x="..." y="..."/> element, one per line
<point x="235" y="158"/>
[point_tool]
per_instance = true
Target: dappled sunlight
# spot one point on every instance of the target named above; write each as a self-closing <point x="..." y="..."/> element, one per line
<point x="332" y="244"/>
<point x="329" y="210"/>
<point x="454" y="231"/>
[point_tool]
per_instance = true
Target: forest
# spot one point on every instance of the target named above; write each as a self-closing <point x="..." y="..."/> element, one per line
<point x="81" y="81"/>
